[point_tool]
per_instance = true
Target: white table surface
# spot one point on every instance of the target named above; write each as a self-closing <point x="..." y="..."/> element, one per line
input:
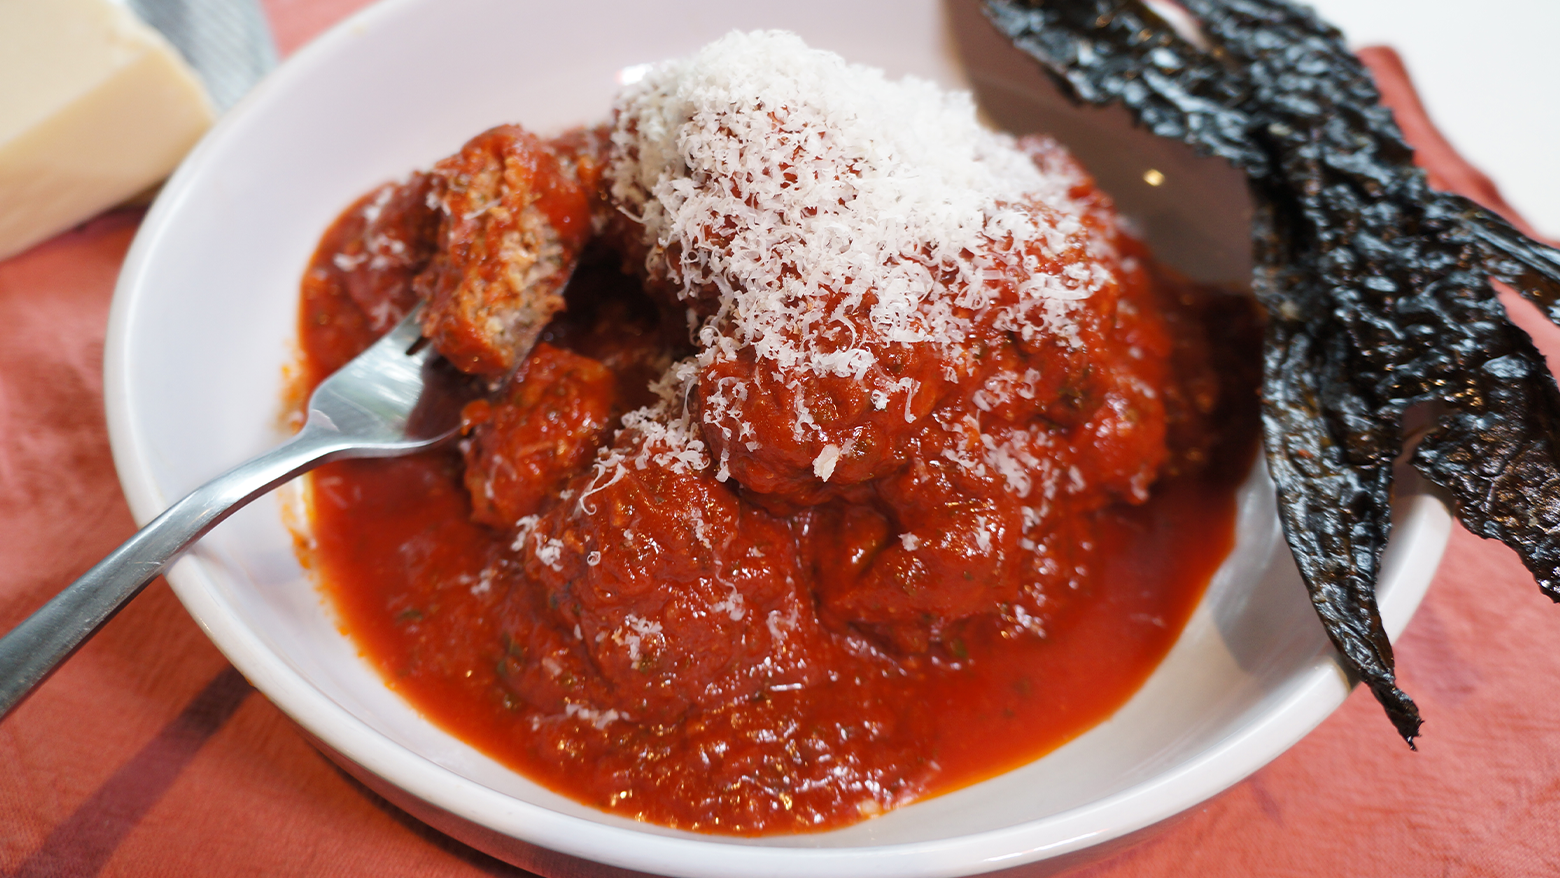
<point x="1489" y="74"/>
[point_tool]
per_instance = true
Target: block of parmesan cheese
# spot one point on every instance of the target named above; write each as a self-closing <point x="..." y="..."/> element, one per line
<point x="95" y="107"/>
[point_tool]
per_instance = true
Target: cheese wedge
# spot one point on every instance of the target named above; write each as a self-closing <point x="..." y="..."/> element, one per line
<point x="95" y="107"/>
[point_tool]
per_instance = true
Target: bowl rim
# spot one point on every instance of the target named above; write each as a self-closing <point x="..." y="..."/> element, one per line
<point x="1422" y="528"/>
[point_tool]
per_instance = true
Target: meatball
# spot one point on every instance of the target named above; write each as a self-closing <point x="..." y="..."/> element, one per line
<point x="513" y="221"/>
<point x="832" y="319"/>
<point x="524" y="445"/>
<point x="941" y="545"/>
<point x="681" y="594"/>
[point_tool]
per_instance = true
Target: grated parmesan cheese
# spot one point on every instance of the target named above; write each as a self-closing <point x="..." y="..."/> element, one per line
<point x="823" y="464"/>
<point x="815" y="213"/>
<point x="633" y="632"/>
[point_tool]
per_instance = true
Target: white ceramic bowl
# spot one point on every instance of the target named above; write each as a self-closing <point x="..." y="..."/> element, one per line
<point x="203" y="324"/>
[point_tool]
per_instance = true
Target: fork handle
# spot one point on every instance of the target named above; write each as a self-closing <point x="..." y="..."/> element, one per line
<point x="33" y="649"/>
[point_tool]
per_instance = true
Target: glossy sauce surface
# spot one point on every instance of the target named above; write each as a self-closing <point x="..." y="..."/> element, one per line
<point x="400" y="557"/>
<point x="438" y="602"/>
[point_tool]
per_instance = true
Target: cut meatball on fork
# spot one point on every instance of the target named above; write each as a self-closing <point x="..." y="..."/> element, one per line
<point x="514" y="217"/>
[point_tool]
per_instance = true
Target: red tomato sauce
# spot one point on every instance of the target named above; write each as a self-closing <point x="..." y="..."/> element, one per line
<point x="436" y="603"/>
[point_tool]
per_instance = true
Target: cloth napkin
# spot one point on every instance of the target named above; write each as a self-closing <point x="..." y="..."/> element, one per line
<point x="147" y="754"/>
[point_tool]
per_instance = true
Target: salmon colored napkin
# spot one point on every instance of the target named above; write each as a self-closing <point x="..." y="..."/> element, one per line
<point x="147" y="754"/>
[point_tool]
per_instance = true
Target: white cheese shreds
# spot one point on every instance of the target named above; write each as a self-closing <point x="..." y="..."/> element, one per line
<point x="637" y="635"/>
<point x="663" y="434"/>
<point x="818" y="212"/>
<point x="823" y="464"/>
<point x="732" y="605"/>
<point x="598" y="718"/>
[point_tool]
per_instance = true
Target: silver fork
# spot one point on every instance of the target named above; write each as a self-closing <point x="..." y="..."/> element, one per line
<point x="395" y="398"/>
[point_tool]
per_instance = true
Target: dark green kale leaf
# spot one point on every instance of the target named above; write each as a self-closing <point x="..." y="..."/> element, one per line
<point x="1377" y="290"/>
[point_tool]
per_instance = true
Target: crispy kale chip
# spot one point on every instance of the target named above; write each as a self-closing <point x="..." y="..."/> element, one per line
<point x="1377" y="290"/>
